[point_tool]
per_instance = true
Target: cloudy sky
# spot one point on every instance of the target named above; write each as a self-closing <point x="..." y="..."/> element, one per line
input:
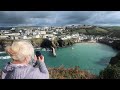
<point x="58" y="18"/>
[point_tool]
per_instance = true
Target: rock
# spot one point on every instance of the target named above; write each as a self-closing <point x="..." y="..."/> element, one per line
<point x="115" y="60"/>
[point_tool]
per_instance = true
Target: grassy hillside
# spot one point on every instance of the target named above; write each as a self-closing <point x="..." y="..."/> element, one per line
<point x="70" y="73"/>
<point x="97" y="31"/>
<point x="115" y="33"/>
<point x="111" y="28"/>
<point x="89" y="31"/>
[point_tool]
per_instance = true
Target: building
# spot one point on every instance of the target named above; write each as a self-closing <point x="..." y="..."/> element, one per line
<point x="48" y="35"/>
<point x="12" y="34"/>
<point x="3" y="37"/>
<point x="36" y="36"/>
<point x="42" y="32"/>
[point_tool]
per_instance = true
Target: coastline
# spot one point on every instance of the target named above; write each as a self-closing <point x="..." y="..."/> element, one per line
<point x="89" y="42"/>
<point x="40" y="48"/>
<point x="76" y="43"/>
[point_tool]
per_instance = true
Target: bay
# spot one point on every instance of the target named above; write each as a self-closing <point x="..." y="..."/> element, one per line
<point x="92" y="57"/>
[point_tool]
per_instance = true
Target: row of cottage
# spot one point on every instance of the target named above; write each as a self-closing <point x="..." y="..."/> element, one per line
<point x="44" y="33"/>
<point x="29" y="33"/>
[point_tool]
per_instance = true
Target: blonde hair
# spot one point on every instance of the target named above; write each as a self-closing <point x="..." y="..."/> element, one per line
<point x="20" y="49"/>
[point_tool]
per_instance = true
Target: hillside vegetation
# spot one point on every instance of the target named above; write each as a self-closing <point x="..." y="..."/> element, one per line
<point x="113" y="31"/>
<point x="112" y="71"/>
<point x="88" y="31"/>
<point x="97" y="31"/>
<point x="70" y="73"/>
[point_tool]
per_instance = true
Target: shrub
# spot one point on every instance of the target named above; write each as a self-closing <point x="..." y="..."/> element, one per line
<point x="36" y="42"/>
<point x="111" y="72"/>
<point x="70" y="73"/>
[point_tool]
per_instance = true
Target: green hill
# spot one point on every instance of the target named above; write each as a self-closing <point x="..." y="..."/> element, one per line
<point x="115" y="33"/>
<point x="97" y="31"/>
<point x="111" y="28"/>
<point x="89" y="31"/>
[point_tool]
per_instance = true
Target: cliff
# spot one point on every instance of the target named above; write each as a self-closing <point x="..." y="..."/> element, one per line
<point x="115" y="60"/>
<point x="112" y="71"/>
<point x="115" y="43"/>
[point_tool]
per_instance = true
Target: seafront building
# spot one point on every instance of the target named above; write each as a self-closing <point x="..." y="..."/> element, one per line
<point x="50" y="32"/>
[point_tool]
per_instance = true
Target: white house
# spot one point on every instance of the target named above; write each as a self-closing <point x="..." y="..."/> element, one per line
<point x="5" y="31"/>
<point x="3" y="37"/>
<point x="64" y="38"/>
<point x="24" y="37"/>
<point x="12" y="34"/>
<point x="12" y="28"/>
<point x="34" y="33"/>
<point x="48" y="35"/>
<point x="101" y="37"/>
<point x="36" y="36"/>
<point x="42" y="32"/>
<point x="68" y="37"/>
<point x="55" y="33"/>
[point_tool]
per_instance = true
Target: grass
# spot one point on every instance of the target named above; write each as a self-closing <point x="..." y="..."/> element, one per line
<point x="89" y="31"/>
<point x="70" y="73"/>
<point x="97" y="31"/>
<point x="36" y="42"/>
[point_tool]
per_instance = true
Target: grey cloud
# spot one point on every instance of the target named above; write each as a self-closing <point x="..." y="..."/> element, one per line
<point x="59" y="17"/>
<point x="108" y="17"/>
<point x="81" y="16"/>
<point x="20" y="17"/>
<point x="77" y="17"/>
<point x="10" y="19"/>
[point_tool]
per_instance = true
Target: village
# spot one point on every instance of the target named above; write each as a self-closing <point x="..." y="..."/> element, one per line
<point x="50" y="33"/>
